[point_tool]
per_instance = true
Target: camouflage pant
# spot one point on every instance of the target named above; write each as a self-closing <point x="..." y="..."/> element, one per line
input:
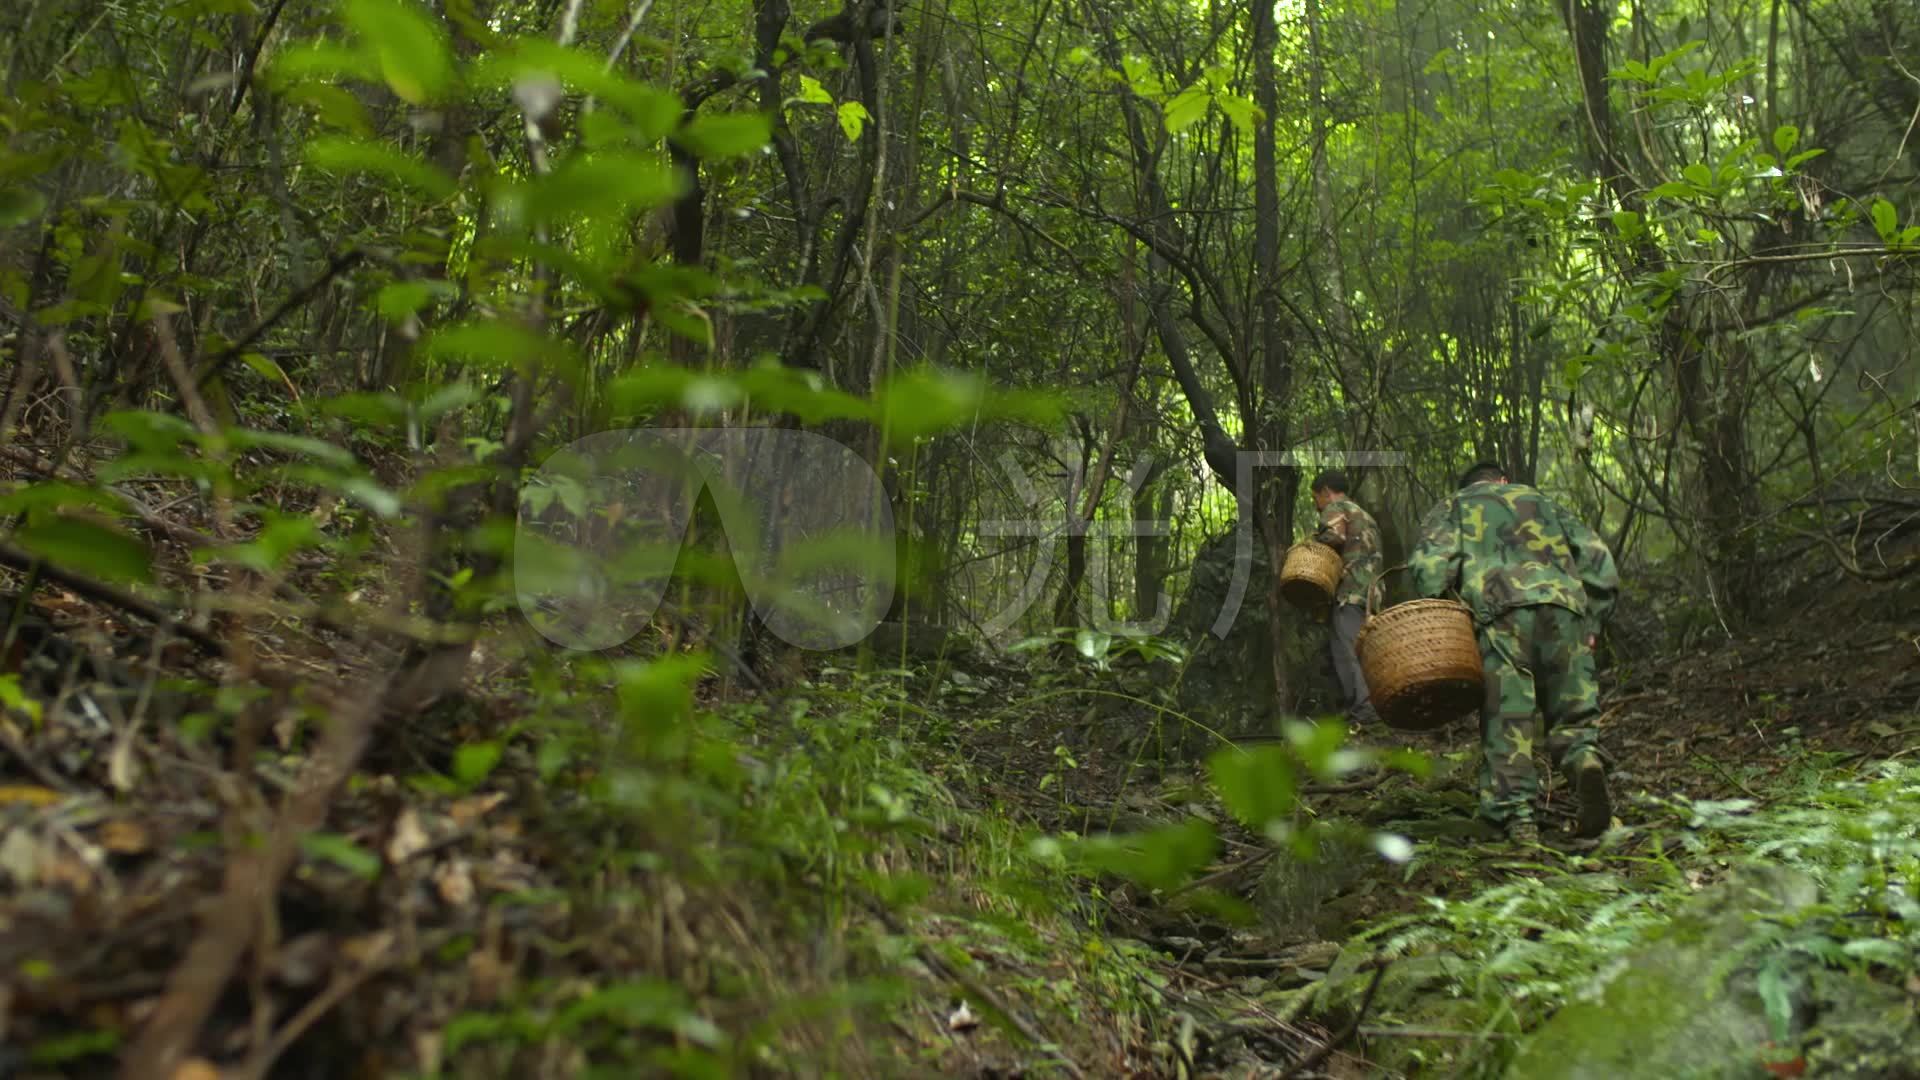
<point x="1535" y="657"/>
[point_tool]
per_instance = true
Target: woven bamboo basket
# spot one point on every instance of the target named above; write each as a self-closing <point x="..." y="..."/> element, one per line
<point x="1421" y="661"/>
<point x="1310" y="575"/>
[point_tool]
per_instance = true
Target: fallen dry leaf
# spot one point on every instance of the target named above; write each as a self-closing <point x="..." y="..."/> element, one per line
<point x="466" y="811"/>
<point x="28" y="793"/>
<point x="409" y="837"/>
<point x="367" y="948"/>
<point x="304" y="960"/>
<point x="1795" y="1067"/>
<point x="20" y="858"/>
<point x="122" y="771"/>
<point x="427" y="1051"/>
<point x="455" y="882"/>
<point x="64" y="869"/>
<point x="196" y="1069"/>
<point x="486" y="976"/>
<point x="124" y="837"/>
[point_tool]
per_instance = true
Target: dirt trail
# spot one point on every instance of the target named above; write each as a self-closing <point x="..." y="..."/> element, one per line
<point x="1836" y="682"/>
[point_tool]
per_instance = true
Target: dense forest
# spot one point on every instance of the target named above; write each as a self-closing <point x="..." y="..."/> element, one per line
<point x="747" y="538"/>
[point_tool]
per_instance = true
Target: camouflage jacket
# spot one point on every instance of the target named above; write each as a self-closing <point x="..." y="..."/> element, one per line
<point x="1356" y="536"/>
<point x="1503" y="546"/>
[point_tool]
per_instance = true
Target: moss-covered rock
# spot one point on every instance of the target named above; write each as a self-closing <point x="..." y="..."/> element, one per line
<point x="1862" y="1029"/>
<point x="1670" y="1008"/>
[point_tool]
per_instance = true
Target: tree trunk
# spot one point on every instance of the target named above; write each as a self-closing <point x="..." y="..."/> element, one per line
<point x="1274" y="499"/>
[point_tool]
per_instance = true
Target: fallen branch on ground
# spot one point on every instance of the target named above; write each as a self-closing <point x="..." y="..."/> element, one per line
<point x="1325" y="1049"/>
<point x="1223" y="873"/>
<point x="233" y="919"/>
<point x="88" y="589"/>
<point x="980" y="993"/>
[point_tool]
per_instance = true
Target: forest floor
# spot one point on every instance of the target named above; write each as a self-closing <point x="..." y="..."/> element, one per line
<point x="863" y="874"/>
<point x="1777" y="717"/>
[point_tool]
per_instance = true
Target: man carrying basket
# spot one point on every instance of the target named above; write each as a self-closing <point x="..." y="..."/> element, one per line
<point x="1539" y="583"/>
<point x="1352" y="532"/>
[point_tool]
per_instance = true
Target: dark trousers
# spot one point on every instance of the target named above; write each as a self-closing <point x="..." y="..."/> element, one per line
<point x="1347" y="620"/>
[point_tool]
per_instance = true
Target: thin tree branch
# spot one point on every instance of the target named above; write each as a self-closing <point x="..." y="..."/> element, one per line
<point x="335" y="267"/>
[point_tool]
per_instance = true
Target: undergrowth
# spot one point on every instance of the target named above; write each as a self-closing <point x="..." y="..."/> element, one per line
<point x="1498" y="963"/>
<point x="818" y="825"/>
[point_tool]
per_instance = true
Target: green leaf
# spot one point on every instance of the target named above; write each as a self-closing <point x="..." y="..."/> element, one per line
<point x="1785" y="137"/>
<point x="921" y="402"/>
<point x="1627" y="222"/>
<point x="1242" y="112"/>
<point x="713" y="136"/>
<point x="368" y="408"/>
<point x="812" y="92"/>
<point x="279" y="539"/>
<point x="1515" y="180"/>
<point x="644" y="1003"/>
<point x="1673" y="189"/>
<point x="1187" y="106"/>
<point x="333" y="105"/>
<point x="1776" y="988"/>
<point x="344" y="154"/>
<point x="1885" y="218"/>
<point x="447" y="399"/>
<point x="1319" y="745"/>
<point x="302" y="445"/>
<point x="410" y="48"/>
<point x="651" y="110"/>
<point x="403" y="298"/>
<point x="1412" y="762"/>
<point x="89" y="548"/>
<point x="494" y="343"/>
<point x="1880" y="951"/>
<point x="325" y="61"/>
<point x="473" y="762"/>
<point x="1256" y="784"/>
<point x="800" y="392"/>
<point x="73" y="1047"/>
<point x="612" y="182"/>
<point x="1698" y="175"/>
<point x="265" y="367"/>
<point x="1795" y="161"/>
<point x="370" y="495"/>
<point x="1092" y="644"/>
<point x="46" y="495"/>
<point x="706" y="394"/>
<point x="853" y="119"/>
<point x="19" y="205"/>
<point x="656" y="696"/>
<point x="12" y="697"/>
<point x="1163" y="858"/>
<point x="342" y="852"/>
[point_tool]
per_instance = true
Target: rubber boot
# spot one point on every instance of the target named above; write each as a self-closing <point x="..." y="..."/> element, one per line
<point x="1588" y="779"/>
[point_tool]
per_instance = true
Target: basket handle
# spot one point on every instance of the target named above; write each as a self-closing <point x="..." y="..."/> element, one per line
<point x="1373" y="590"/>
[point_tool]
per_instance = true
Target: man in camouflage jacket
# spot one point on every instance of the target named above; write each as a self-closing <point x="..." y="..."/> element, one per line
<point x="1539" y="583"/>
<point x="1351" y="531"/>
